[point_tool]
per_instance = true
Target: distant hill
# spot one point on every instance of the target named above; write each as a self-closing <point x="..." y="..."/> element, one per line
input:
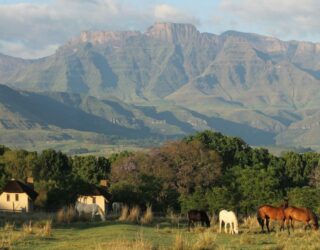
<point x="169" y="81"/>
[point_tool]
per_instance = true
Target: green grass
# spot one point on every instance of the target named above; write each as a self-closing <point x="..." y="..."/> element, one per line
<point x="161" y="235"/>
<point x="66" y="140"/>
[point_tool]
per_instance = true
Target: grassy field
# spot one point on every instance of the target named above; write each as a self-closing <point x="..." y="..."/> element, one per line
<point x="161" y="234"/>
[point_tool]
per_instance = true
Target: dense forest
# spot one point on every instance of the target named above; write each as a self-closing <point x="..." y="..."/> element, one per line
<point x="206" y="170"/>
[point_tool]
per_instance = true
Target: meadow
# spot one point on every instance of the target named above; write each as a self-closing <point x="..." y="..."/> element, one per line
<point x="168" y="232"/>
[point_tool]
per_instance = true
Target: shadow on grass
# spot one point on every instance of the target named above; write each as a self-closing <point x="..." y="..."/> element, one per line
<point x="159" y="223"/>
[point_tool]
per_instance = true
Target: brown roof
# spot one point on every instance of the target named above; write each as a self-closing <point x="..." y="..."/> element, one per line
<point x="97" y="190"/>
<point x="15" y="186"/>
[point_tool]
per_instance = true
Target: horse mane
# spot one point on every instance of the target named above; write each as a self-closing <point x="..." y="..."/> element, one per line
<point x="265" y="205"/>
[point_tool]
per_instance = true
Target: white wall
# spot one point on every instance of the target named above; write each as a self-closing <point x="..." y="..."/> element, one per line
<point x="22" y="204"/>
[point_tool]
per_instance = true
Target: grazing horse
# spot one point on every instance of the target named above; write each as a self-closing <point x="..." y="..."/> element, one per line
<point x="228" y="217"/>
<point x="92" y="209"/>
<point x="198" y="215"/>
<point x="267" y="213"/>
<point x="301" y="214"/>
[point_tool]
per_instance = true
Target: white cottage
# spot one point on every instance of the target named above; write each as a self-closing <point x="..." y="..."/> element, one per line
<point x="17" y="196"/>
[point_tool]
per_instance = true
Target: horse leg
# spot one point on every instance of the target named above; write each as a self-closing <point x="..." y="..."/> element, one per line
<point x="93" y="214"/>
<point x="282" y="225"/>
<point x="288" y="225"/>
<point x="220" y="225"/>
<point x="225" y="227"/>
<point x="267" y="223"/>
<point x="292" y="224"/>
<point x="262" y="225"/>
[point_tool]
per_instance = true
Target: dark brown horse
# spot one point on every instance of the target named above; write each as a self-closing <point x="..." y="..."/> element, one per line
<point x="267" y="212"/>
<point x="198" y="215"/>
<point x="301" y="214"/>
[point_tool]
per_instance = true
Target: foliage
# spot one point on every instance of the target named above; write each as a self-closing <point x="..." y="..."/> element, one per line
<point x="19" y="163"/>
<point x="90" y="168"/>
<point x="305" y="197"/>
<point x="193" y="201"/>
<point x="52" y="165"/>
<point x="220" y="198"/>
<point x="203" y="171"/>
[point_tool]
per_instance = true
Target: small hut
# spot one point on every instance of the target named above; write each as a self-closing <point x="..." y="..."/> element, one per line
<point x="17" y="196"/>
<point x="98" y="195"/>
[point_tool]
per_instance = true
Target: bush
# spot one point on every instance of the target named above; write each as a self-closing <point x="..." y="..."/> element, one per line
<point x="180" y="243"/>
<point x="124" y="213"/>
<point x="205" y="241"/>
<point x="66" y="215"/>
<point x="147" y="217"/>
<point x="134" y="214"/>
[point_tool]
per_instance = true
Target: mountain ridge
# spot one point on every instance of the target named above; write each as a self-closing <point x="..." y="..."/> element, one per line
<point x="235" y="78"/>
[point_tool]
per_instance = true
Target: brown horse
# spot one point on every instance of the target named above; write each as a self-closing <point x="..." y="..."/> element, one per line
<point x="198" y="215"/>
<point x="301" y="214"/>
<point x="267" y="213"/>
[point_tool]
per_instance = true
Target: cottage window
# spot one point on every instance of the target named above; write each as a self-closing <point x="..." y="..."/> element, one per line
<point x="8" y="197"/>
<point x="93" y="199"/>
<point x="17" y="197"/>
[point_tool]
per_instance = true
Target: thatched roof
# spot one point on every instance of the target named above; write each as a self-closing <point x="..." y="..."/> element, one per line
<point x="15" y="186"/>
<point x="96" y="191"/>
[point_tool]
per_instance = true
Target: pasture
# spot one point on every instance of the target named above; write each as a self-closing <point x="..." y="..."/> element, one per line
<point x="162" y="233"/>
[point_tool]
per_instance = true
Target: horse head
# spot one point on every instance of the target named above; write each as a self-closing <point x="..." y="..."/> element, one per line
<point x="236" y="228"/>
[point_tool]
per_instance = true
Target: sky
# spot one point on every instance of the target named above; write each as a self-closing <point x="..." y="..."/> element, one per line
<point x="36" y="28"/>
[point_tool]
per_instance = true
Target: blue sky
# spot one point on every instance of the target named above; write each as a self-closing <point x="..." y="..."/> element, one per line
<point x="36" y="28"/>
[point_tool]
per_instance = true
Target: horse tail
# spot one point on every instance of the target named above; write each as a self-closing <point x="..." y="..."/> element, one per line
<point x="102" y="214"/>
<point x="315" y="220"/>
<point x="206" y="218"/>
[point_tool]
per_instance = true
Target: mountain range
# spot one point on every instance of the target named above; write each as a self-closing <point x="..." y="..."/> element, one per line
<point x="164" y="83"/>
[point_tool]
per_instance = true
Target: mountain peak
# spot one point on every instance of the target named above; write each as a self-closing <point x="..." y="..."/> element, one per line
<point x="173" y="32"/>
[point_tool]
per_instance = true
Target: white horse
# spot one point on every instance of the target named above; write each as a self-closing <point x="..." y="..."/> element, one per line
<point x="92" y="209"/>
<point x="228" y="217"/>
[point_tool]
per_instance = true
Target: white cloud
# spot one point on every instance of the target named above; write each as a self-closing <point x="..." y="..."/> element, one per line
<point x="164" y="12"/>
<point x="21" y="50"/>
<point x="283" y="18"/>
<point x="32" y="30"/>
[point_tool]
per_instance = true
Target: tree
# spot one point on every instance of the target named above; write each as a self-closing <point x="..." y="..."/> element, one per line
<point x="295" y="169"/>
<point x="125" y="192"/>
<point x="19" y="164"/>
<point x="52" y="165"/>
<point x="90" y="169"/>
<point x="194" y="165"/>
<point x="305" y="197"/>
<point x="3" y="149"/>
<point x="233" y="150"/>
<point x="219" y="198"/>
<point x="256" y="186"/>
<point x="196" y="200"/>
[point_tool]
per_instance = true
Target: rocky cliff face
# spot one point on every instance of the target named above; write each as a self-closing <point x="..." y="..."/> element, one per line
<point x="174" y="33"/>
<point x="102" y="37"/>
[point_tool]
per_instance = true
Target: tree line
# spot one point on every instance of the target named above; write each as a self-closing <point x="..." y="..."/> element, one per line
<point x="206" y="170"/>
